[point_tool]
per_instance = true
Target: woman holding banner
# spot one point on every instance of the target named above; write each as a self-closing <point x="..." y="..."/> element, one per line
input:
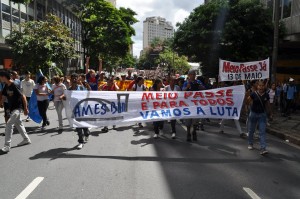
<point x="157" y="86"/>
<point x="173" y="87"/>
<point x="42" y="93"/>
<point x="58" y="89"/>
<point x="258" y="116"/>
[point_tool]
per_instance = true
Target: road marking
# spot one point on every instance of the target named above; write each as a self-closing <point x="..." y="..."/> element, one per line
<point x="30" y="188"/>
<point x="251" y="193"/>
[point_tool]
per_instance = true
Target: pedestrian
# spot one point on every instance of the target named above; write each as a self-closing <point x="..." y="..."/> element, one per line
<point x="27" y="86"/>
<point x="58" y="89"/>
<point x="110" y="86"/>
<point x="16" y="79"/>
<point x="139" y="86"/>
<point x="191" y="124"/>
<point x="16" y="103"/>
<point x="173" y="87"/>
<point x="290" y="93"/>
<point x="259" y="108"/>
<point x="83" y="133"/>
<point x="42" y="93"/>
<point x="272" y="95"/>
<point x="158" y="125"/>
<point x="278" y="96"/>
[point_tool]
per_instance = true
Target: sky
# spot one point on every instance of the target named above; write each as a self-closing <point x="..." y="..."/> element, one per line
<point x="173" y="10"/>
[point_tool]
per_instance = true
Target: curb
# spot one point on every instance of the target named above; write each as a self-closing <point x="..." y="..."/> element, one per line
<point x="284" y="136"/>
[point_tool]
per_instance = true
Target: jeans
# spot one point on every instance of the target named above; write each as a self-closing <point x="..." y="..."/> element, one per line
<point x="81" y="132"/>
<point x="173" y="124"/>
<point x="15" y="119"/>
<point x="259" y="119"/>
<point x="237" y="125"/>
<point x="43" y="106"/>
<point x="158" y="125"/>
<point x="59" y="106"/>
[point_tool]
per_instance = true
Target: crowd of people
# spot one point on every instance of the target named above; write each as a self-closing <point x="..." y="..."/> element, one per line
<point x="262" y="99"/>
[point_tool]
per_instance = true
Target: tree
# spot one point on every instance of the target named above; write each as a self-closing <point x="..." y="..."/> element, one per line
<point x="237" y="30"/>
<point x="41" y="43"/>
<point x="106" y="30"/>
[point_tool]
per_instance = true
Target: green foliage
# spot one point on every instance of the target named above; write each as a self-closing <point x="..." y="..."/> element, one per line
<point x="161" y="51"/>
<point x="41" y="43"/>
<point x="106" y="30"/>
<point x="237" y="30"/>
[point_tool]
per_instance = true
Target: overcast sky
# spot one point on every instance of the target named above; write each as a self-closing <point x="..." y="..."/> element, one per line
<point x="173" y="10"/>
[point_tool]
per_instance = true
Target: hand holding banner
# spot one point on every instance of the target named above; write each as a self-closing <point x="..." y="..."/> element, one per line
<point x="101" y="108"/>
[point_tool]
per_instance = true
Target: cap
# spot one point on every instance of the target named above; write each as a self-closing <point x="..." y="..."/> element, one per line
<point x="291" y="79"/>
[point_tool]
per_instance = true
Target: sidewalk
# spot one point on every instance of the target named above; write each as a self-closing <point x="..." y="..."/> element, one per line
<point x="286" y="128"/>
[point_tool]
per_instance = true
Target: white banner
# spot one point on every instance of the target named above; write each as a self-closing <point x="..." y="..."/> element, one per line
<point x="233" y="71"/>
<point x="104" y="108"/>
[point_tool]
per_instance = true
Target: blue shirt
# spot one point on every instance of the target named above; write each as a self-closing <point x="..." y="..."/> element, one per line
<point x="290" y="91"/>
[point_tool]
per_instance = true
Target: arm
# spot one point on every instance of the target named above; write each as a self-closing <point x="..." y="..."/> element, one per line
<point x="87" y="65"/>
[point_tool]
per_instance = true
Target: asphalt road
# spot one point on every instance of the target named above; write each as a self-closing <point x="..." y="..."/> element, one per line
<point x="129" y="163"/>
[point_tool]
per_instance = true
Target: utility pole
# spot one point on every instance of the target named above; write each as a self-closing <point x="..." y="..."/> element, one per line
<point x="275" y="44"/>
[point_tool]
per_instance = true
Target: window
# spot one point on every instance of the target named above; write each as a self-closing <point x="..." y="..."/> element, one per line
<point x="5" y="8"/>
<point x="6" y="17"/>
<point x="15" y="12"/>
<point x="5" y="32"/>
<point x="287" y="8"/>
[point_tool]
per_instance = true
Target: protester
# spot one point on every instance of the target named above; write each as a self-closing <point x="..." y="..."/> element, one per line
<point x="158" y="125"/>
<point x="92" y="79"/>
<point x="139" y="86"/>
<point x="129" y="76"/>
<point x="82" y="81"/>
<point x="16" y="103"/>
<point x="172" y="87"/>
<point x="110" y="86"/>
<point x="15" y="78"/>
<point x="58" y="89"/>
<point x="42" y="93"/>
<point x="191" y="85"/>
<point x="290" y="92"/>
<point x="272" y="95"/>
<point x="258" y="116"/>
<point x="27" y="86"/>
<point x="83" y="133"/>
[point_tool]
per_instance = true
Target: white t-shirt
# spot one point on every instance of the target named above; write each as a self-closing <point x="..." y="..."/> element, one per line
<point x="176" y="88"/>
<point x="271" y="95"/>
<point x="27" y="87"/>
<point x="136" y="87"/>
<point x="41" y="89"/>
<point x="58" y="91"/>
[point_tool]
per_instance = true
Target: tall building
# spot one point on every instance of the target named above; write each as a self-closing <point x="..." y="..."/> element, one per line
<point x="12" y="14"/>
<point x="156" y="27"/>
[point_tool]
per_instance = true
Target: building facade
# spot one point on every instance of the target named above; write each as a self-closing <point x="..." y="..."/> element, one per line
<point x="156" y="27"/>
<point x="11" y="15"/>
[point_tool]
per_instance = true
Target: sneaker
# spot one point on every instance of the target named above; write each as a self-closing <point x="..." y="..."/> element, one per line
<point x="155" y="136"/>
<point x="24" y="142"/>
<point x="140" y="125"/>
<point x="5" y="149"/>
<point x="263" y="152"/>
<point x="47" y="123"/>
<point x="250" y="147"/>
<point x="173" y="136"/>
<point x="28" y="120"/>
<point x="79" y="146"/>
<point x="86" y="139"/>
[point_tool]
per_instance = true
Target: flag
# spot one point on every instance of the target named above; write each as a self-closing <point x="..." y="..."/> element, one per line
<point x="33" y="109"/>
